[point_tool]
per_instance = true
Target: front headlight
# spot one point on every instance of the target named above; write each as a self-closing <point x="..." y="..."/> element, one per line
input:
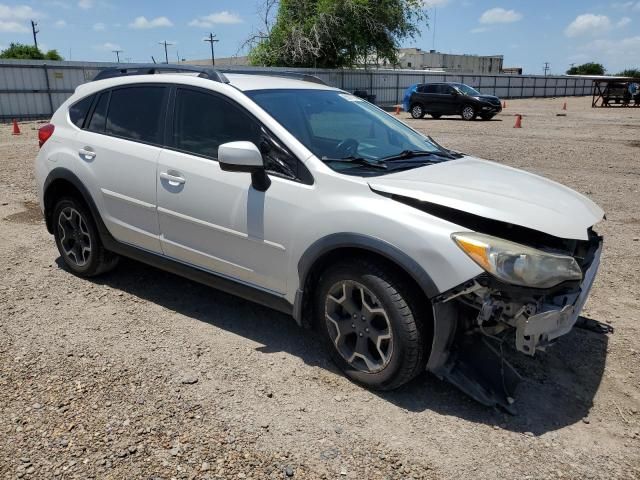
<point x="515" y="263"/>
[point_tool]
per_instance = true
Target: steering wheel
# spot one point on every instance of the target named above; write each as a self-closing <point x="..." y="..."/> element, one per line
<point x="347" y="148"/>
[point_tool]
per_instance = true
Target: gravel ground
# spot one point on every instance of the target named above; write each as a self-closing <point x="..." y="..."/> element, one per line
<point x="142" y="374"/>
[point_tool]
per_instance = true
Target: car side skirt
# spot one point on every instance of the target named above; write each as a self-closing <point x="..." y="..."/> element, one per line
<point x="227" y="285"/>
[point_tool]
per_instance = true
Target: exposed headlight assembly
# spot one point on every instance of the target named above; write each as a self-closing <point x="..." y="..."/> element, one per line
<point x="517" y="264"/>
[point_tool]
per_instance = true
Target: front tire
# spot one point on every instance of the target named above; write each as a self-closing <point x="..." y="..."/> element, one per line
<point x="371" y="320"/>
<point x="78" y="241"/>
<point x="468" y="112"/>
<point x="417" y="111"/>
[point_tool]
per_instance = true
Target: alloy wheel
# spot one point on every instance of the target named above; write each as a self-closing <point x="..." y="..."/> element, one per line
<point x="468" y="113"/>
<point x="416" y="111"/>
<point x="359" y="326"/>
<point x="74" y="236"/>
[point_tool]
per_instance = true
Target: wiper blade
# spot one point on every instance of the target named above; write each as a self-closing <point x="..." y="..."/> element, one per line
<point x="407" y="154"/>
<point x="356" y="160"/>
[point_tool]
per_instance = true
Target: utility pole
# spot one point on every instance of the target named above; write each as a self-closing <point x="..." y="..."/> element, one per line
<point x="546" y="68"/>
<point x="435" y="18"/>
<point x="35" y="33"/>
<point x="117" y="52"/>
<point x="166" y="55"/>
<point x="212" y="39"/>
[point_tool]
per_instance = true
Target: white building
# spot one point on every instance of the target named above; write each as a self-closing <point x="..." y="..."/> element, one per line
<point x="418" y="59"/>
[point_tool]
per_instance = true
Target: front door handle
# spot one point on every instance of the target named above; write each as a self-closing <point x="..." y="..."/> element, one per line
<point x="87" y="153"/>
<point x="173" y="178"/>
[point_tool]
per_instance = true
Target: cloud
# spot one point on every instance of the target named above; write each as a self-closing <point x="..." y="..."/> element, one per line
<point x="17" y="12"/>
<point x="632" y="6"/>
<point x="209" y="21"/>
<point x="614" y="53"/>
<point x="141" y="23"/>
<point x="500" y="15"/>
<point x="12" y="27"/>
<point x="60" y="24"/>
<point x="108" y="46"/>
<point x="99" y="27"/>
<point x="623" y="22"/>
<point x="588" y="23"/>
<point x="57" y="4"/>
<point x="85" y="4"/>
<point x="435" y="3"/>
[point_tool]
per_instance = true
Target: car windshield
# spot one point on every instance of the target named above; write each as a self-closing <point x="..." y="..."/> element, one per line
<point x="347" y="132"/>
<point x="467" y="90"/>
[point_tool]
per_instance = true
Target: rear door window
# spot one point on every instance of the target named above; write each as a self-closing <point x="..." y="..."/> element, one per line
<point x="78" y="111"/>
<point x="430" y="89"/>
<point x="136" y="113"/>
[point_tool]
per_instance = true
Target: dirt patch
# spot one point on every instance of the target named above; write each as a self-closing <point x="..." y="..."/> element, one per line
<point x="634" y="143"/>
<point x="32" y="215"/>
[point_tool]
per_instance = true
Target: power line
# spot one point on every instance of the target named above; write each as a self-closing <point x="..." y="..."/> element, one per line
<point x="117" y="52"/>
<point x="546" y="68"/>
<point x="35" y="33"/>
<point x="166" y="55"/>
<point x="212" y="39"/>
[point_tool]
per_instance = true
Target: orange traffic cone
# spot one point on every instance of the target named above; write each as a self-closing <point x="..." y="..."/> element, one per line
<point x="504" y="104"/>
<point x="564" y="106"/>
<point x="397" y="109"/>
<point x="16" y="128"/>
<point x="518" y="121"/>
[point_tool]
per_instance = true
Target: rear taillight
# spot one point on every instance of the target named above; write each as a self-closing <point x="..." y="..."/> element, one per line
<point x="44" y="133"/>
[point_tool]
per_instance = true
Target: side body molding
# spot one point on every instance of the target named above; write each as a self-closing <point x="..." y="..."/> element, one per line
<point x="375" y="245"/>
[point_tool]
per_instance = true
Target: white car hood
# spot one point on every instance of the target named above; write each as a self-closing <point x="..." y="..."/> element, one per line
<point x="497" y="192"/>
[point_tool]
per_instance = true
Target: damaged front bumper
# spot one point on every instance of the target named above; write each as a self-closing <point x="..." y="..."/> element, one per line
<point x="473" y="322"/>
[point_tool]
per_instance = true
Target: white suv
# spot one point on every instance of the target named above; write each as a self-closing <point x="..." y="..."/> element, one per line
<point x="402" y="254"/>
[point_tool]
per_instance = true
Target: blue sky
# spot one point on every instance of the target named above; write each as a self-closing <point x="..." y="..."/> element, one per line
<point x="527" y="32"/>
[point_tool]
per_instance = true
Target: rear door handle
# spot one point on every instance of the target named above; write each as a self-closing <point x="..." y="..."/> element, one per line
<point x="173" y="178"/>
<point x="87" y="153"/>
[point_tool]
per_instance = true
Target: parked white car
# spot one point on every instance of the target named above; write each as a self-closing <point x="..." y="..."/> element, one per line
<point x="402" y="254"/>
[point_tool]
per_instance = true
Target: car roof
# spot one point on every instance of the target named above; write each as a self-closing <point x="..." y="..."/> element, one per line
<point x="243" y="82"/>
<point x="246" y="82"/>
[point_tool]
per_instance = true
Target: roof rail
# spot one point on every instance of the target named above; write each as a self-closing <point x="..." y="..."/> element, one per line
<point x="305" y="77"/>
<point x="155" y="68"/>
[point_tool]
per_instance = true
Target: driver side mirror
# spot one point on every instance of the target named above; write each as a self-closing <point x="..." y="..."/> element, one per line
<point x="244" y="157"/>
<point x="454" y="92"/>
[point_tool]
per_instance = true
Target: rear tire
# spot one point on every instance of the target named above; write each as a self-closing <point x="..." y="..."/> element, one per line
<point x="417" y="111"/>
<point x="468" y="112"/>
<point x="78" y="241"/>
<point x="371" y="320"/>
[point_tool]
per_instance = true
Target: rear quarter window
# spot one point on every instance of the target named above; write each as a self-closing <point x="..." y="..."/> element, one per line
<point x="136" y="113"/>
<point x="78" y="111"/>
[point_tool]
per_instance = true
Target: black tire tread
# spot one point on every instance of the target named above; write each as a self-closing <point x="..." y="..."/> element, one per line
<point x="404" y="298"/>
<point x="105" y="260"/>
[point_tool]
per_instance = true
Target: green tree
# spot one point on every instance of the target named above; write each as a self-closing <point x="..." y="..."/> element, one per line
<point x="590" y="68"/>
<point x="53" y="55"/>
<point x="630" y="72"/>
<point x="335" y="33"/>
<point x="28" y="52"/>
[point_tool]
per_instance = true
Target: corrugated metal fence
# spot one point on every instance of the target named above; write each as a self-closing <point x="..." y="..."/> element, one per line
<point x="33" y="89"/>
